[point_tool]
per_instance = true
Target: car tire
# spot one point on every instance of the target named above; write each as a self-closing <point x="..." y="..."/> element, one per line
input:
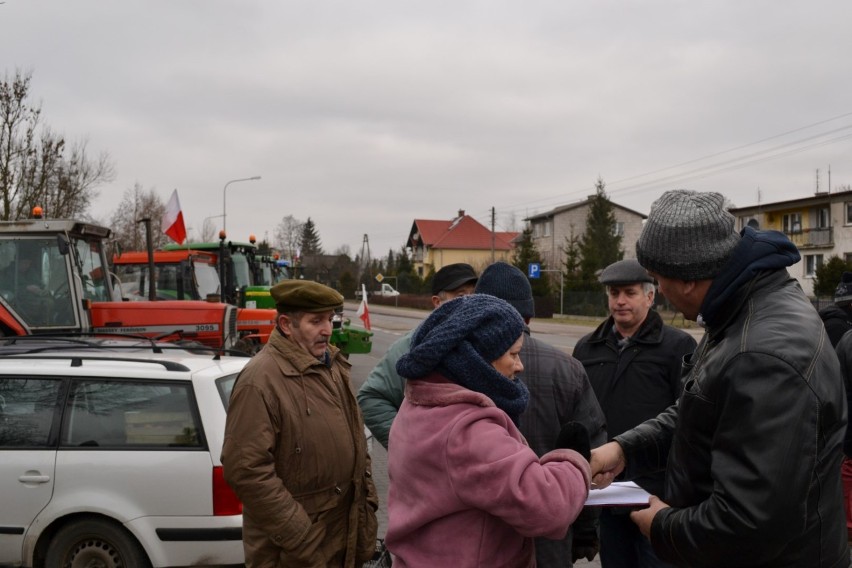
<point x="95" y="542"/>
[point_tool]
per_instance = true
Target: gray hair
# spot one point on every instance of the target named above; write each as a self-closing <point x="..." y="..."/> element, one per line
<point x="647" y="287"/>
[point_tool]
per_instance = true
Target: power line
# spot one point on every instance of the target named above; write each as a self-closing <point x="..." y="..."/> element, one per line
<point x="707" y="170"/>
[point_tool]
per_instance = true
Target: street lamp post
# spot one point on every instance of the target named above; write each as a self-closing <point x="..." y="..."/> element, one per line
<point x="224" y="193"/>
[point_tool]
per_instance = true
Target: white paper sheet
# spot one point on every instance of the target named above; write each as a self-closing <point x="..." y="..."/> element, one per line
<point x="619" y="494"/>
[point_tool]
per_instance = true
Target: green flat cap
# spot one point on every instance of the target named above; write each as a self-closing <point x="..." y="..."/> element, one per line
<point x="305" y="296"/>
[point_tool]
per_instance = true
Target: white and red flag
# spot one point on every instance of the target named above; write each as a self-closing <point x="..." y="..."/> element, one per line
<point x="172" y="222"/>
<point x="363" y="311"/>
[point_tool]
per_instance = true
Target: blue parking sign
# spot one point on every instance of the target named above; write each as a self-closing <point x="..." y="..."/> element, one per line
<point x="534" y="270"/>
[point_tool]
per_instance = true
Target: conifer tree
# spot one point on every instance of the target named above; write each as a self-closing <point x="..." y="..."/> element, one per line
<point x="310" y="240"/>
<point x="571" y="260"/>
<point x="526" y="254"/>
<point x="599" y="246"/>
<point x="827" y="276"/>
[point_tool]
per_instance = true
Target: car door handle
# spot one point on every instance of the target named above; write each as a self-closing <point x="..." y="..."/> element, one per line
<point x="34" y="477"/>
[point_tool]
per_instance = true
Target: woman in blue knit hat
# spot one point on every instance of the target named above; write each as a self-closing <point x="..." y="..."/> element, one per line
<point x="465" y="489"/>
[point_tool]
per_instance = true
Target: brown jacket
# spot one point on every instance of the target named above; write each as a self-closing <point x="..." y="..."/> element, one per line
<point x="296" y="455"/>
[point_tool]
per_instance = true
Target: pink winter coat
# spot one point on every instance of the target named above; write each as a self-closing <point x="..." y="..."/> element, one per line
<point x="466" y="490"/>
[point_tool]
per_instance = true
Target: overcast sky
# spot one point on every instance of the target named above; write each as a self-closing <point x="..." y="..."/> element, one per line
<point x="364" y="115"/>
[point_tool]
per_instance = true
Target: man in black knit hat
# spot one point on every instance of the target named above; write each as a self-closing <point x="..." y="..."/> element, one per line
<point x="752" y="450"/>
<point x="837" y="317"/>
<point x="559" y="393"/>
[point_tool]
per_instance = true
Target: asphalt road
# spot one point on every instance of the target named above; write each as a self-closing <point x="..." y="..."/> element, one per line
<point x="388" y="324"/>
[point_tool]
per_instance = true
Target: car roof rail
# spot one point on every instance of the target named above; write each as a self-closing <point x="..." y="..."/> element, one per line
<point x="59" y="342"/>
<point x="77" y="360"/>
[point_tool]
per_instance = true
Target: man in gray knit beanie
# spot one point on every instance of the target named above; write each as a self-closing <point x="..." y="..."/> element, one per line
<point x="752" y="449"/>
<point x="688" y="235"/>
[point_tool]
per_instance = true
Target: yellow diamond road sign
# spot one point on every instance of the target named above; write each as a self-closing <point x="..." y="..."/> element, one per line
<point x="379" y="277"/>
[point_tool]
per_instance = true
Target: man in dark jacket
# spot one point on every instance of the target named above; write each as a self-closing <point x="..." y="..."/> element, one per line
<point x="633" y="361"/>
<point x="752" y="450"/>
<point x="559" y="393"/>
<point x="837" y="317"/>
<point x="381" y="394"/>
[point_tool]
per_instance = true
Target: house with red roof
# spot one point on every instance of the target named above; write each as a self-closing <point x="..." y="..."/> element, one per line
<point x="437" y="243"/>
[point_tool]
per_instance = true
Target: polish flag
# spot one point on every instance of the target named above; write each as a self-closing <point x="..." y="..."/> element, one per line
<point x="172" y="221"/>
<point x="364" y="312"/>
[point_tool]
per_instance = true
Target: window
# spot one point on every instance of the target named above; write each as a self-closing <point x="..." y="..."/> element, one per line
<point x="847" y="256"/>
<point x="792" y="223"/>
<point x="618" y="229"/>
<point x="745" y="219"/>
<point x="27" y="410"/>
<point x="542" y="229"/>
<point x="812" y="263"/>
<point x="848" y="207"/>
<point x="822" y="218"/>
<point x="104" y="413"/>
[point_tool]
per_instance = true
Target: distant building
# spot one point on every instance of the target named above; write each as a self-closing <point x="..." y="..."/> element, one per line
<point x="820" y="226"/>
<point x="551" y="229"/>
<point x="437" y="243"/>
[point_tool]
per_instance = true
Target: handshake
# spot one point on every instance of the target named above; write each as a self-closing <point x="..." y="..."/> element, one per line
<point x="606" y="461"/>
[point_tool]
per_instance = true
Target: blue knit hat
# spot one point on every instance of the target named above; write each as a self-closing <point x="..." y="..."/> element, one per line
<point x="508" y="283"/>
<point x="460" y="340"/>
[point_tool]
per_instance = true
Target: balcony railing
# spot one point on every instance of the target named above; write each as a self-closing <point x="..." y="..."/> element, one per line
<point x="808" y="238"/>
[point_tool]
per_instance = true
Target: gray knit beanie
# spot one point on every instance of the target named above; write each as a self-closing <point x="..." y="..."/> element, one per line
<point x="508" y="283"/>
<point x="688" y="235"/>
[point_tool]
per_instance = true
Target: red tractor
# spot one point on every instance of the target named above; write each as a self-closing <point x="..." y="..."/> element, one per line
<point x="54" y="279"/>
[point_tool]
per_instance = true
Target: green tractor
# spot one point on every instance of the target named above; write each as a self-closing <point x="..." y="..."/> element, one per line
<point x="246" y="277"/>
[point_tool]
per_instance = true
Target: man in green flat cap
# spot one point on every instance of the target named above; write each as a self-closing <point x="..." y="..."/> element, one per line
<point x="294" y="449"/>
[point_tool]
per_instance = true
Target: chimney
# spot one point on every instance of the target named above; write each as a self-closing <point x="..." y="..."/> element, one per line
<point x="461" y="212"/>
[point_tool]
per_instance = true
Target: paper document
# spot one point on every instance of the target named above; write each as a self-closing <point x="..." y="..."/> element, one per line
<point x="619" y="494"/>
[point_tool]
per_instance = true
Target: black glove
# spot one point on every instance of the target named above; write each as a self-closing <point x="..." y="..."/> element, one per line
<point x="585" y="547"/>
<point x="575" y="436"/>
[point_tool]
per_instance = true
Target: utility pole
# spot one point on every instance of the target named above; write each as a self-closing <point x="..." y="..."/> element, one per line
<point x="492" y="236"/>
<point x="366" y="262"/>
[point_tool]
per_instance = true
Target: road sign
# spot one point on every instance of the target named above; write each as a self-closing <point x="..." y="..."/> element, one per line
<point x="534" y="270"/>
<point x="379" y="277"/>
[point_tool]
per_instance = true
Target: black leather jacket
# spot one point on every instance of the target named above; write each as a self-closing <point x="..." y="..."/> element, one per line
<point x="638" y="382"/>
<point x="754" y="443"/>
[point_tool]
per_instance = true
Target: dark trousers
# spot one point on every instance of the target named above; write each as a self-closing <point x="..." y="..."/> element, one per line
<point x="622" y="545"/>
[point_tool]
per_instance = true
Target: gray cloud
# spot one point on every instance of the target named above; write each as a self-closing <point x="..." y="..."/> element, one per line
<point x="365" y="115"/>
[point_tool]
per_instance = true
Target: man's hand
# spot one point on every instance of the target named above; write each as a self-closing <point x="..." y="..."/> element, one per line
<point x="644" y="517"/>
<point x="607" y="461"/>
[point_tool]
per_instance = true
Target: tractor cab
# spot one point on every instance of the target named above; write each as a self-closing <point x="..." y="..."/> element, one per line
<point x="50" y="271"/>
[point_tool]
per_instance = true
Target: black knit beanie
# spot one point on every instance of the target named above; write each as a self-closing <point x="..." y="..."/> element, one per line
<point x="843" y="292"/>
<point x="460" y="340"/>
<point x="688" y="235"/>
<point x="508" y="283"/>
